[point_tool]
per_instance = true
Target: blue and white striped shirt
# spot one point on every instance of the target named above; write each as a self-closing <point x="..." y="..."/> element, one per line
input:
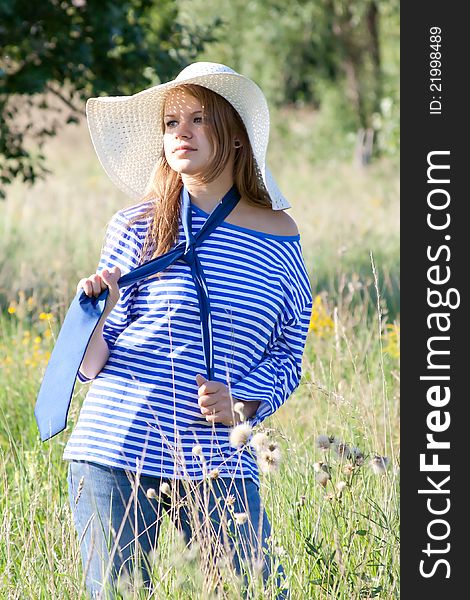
<point x="141" y="412"/>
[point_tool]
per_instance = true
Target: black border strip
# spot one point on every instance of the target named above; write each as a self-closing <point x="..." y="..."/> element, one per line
<point x="434" y="568"/>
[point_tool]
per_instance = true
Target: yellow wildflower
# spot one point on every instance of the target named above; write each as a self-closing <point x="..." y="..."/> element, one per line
<point x="392" y="341"/>
<point x="45" y="316"/>
<point x="320" y="322"/>
<point x="12" y="309"/>
<point x="376" y="202"/>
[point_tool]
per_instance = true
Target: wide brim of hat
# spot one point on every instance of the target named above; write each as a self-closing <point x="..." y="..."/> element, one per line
<point x="127" y="137"/>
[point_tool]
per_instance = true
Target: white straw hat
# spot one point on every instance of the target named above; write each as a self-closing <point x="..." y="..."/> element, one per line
<point x="126" y="130"/>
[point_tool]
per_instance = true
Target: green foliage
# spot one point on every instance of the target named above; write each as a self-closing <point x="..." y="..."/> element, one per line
<point x="339" y="58"/>
<point x="55" y="54"/>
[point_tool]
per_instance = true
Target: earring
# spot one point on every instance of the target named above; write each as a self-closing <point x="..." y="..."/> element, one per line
<point x="237" y="144"/>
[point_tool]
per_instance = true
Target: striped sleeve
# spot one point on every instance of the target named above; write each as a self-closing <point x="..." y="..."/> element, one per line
<point x="121" y="248"/>
<point x="279" y="372"/>
<point x="81" y="378"/>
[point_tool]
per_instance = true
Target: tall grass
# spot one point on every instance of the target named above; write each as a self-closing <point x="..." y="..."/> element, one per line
<point x="332" y="542"/>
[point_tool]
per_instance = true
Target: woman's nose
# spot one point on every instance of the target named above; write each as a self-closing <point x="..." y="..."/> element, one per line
<point x="183" y="130"/>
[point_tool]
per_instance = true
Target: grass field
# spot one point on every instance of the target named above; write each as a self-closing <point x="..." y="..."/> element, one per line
<point x="336" y="536"/>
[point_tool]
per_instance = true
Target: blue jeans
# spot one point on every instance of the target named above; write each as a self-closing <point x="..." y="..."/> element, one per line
<point x="117" y="534"/>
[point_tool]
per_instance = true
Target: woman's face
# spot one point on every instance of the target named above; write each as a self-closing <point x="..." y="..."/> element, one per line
<point x="186" y="143"/>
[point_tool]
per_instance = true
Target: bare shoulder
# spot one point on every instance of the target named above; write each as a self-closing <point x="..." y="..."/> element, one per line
<point x="264" y="220"/>
<point x="283" y="223"/>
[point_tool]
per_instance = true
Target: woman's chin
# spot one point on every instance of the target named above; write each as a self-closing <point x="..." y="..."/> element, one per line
<point x="185" y="168"/>
<point x="190" y="171"/>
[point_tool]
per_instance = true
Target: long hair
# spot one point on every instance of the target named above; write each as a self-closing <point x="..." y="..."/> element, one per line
<point x="224" y="125"/>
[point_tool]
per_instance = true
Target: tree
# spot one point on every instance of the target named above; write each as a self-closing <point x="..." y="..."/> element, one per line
<point x="69" y="50"/>
<point x="313" y="52"/>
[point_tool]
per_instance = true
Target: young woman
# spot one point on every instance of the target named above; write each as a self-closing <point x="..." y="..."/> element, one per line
<point x="154" y="434"/>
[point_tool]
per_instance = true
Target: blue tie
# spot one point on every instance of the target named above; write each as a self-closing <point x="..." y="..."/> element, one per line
<point x="55" y="393"/>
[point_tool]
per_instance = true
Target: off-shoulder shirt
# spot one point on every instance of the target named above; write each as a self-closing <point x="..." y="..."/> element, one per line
<point x="141" y="412"/>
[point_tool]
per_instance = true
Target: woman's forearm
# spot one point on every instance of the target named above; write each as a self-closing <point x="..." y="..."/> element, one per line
<point x="97" y="352"/>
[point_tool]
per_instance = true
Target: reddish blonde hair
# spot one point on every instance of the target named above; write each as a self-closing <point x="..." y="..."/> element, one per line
<point x="224" y="125"/>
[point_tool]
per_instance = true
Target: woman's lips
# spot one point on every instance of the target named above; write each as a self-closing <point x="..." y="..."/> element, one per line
<point x="183" y="150"/>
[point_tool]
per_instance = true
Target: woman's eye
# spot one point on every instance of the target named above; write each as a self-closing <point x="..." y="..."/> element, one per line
<point x="198" y="119"/>
<point x="169" y="123"/>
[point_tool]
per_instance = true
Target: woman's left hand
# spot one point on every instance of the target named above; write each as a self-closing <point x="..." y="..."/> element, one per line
<point x="217" y="405"/>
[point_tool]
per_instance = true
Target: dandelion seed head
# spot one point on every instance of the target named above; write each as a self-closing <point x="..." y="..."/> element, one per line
<point x="349" y="469"/>
<point x="322" y="477"/>
<point x="214" y="474"/>
<point x="342" y="450"/>
<point x="240" y="518"/>
<point x="269" y="461"/>
<point x="239" y="407"/>
<point x="165" y="488"/>
<point x="330" y="496"/>
<point x="197" y="450"/>
<point x="240" y="435"/>
<point x="341" y="485"/>
<point x="259" y="441"/>
<point x="230" y="500"/>
<point x="379" y="464"/>
<point x="357" y="456"/>
<point x="321" y="466"/>
<point x="323" y="442"/>
<point x="151" y="493"/>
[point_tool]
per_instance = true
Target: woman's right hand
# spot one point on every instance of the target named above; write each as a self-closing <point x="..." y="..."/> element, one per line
<point x="95" y="284"/>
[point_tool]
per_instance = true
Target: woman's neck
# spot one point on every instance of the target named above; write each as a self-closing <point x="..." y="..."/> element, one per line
<point x="206" y="196"/>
